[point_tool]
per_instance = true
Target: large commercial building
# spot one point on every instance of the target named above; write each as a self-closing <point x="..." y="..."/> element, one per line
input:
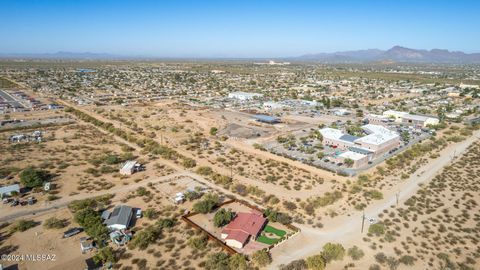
<point x="397" y="116"/>
<point x="411" y="119"/>
<point x="419" y="120"/>
<point x="378" y="141"/>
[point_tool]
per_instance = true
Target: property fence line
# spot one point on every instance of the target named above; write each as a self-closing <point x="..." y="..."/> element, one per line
<point x="230" y="250"/>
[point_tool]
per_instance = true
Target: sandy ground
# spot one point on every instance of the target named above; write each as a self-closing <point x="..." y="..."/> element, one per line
<point x="346" y="229"/>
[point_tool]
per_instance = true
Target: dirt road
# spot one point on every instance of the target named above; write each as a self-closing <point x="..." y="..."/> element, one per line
<point x="347" y="228"/>
<point x="61" y="203"/>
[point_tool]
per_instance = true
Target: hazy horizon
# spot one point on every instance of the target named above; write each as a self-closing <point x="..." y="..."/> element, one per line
<point x="247" y="29"/>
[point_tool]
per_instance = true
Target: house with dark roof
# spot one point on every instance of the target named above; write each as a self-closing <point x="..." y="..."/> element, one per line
<point x="243" y="227"/>
<point x="120" y="218"/>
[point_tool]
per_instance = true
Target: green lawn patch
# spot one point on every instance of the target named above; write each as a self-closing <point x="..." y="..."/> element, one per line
<point x="271" y="241"/>
<point x="277" y="232"/>
<point x="266" y="240"/>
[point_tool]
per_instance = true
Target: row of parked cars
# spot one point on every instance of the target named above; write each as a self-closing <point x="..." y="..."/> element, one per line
<point x="15" y="202"/>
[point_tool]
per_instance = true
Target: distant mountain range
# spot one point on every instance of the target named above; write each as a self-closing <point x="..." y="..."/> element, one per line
<point x="396" y="54"/>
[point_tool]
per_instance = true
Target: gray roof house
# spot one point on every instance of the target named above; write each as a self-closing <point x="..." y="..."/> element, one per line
<point x="7" y="190"/>
<point x="120" y="218"/>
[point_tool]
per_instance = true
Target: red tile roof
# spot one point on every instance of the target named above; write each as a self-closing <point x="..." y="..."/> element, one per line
<point x="244" y="225"/>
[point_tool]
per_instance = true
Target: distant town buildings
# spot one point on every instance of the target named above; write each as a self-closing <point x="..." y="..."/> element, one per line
<point x="272" y="63"/>
<point x="243" y="96"/>
<point x="289" y="103"/>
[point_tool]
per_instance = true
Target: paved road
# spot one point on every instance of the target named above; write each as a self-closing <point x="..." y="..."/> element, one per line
<point x="10" y="100"/>
<point x="346" y="229"/>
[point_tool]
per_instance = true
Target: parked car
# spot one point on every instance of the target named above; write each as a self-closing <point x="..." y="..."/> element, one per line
<point x="139" y="213"/>
<point x="14" y="203"/>
<point x="31" y="200"/>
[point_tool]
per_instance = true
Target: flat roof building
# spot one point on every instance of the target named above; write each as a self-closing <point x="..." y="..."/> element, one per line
<point x="412" y="119"/>
<point x="243" y="96"/>
<point x="377" y="141"/>
<point x="396" y="115"/>
<point x="419" y="120"/>
<point x="130" y="167"/>
<point x="266" y="118"/>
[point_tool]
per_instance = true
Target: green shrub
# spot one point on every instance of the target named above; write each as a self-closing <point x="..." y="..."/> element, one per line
<point x="261" y="258"/>
<point x="54" y="223"/>
<point x="376" y="229"/>
<point x="355" y="253"/>
<point x="316" y="262"/>
<point x="222" y="217"/>
<point x="207" y="204"/>
<point x="145" y="237"/>
<point x="333" y="252"/>
<point x="22" y="225"/>
<point x="198" y="243"/>
<point x="31" y="177"/>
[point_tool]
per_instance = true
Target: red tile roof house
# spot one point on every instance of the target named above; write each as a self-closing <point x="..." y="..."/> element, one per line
<point x="243" y="227"/>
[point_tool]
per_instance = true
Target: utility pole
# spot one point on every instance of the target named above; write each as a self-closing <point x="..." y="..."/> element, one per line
<point x="231" y="171"/>
<point x="363" y="220"/>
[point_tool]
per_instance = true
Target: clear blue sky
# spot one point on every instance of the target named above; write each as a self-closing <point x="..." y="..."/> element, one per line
<point x="235" y="28"/>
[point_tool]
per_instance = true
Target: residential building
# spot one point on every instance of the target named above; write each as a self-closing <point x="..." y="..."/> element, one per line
<point x="9" y="190"/>
<point x="120" y="218"/>
<point x="130" y="167"/>
<point x="243" y="227"/>
<point x="86" y="244"/>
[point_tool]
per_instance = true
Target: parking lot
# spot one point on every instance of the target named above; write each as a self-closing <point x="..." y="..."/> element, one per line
<point x="309" y="151"/>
